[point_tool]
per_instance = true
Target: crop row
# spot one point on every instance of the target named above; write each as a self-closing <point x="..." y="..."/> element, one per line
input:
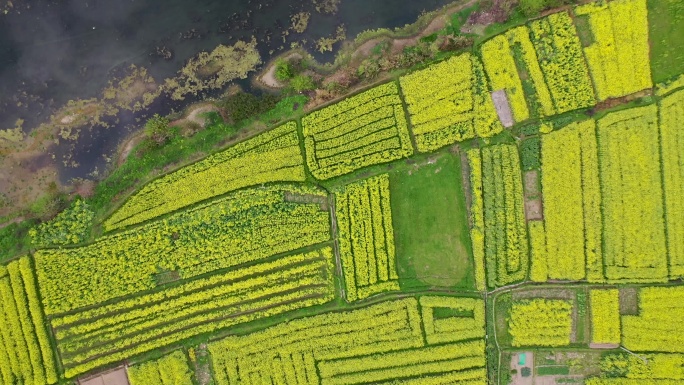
<point x="246" y="226"/>
<point x="569" y="178"/>
<point x="672" y="148"/>
<point x="375" y="344"/>
<point x="653" y="366"/>
<point x="540" y="322"/>
<point x="270" y="157"/>
<point x="632" y="196"/>
<point x="605" y="316"/>
<point x="506" y="246"/>
<point x="171" y="369"/>
<point x="366" y="237"/>
<point x="618" y="58"/>
<point x="421" y="363"/>
<point x="561" y="60"/>
<point x="145" y="328"/>
<point x="466" y="321"/>
<point x="629" y="381"/>
<point x="25" y="353"/>
<point x="379" y="328"/>
<point x="534" y="84"/>
<point x="658" y="327"/>
<point x="503" y="74"/>
<point x="449" y="102"/>
<point x="539" y="256"/>
<point x="293" y="280"/>
<point x="362" y="130"/>
<point x="477" y="231"/>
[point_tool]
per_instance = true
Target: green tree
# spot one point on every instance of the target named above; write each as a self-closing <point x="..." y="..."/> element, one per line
<point x="283" y="70"/>
<point x="157" y="129"/>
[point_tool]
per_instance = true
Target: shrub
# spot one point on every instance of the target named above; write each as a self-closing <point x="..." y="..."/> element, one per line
<point x="301" y="83"/>
<point x="245" y="105"/>
<point x="530" y="153"/>
<point x="157" y="129"/>
<point x="284" y="70"/>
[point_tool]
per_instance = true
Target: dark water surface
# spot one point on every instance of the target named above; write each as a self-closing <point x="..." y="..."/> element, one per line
<point x="61" y="50"/>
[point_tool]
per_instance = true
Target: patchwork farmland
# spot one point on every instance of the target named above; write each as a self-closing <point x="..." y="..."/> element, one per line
<point x="388" y="237"/>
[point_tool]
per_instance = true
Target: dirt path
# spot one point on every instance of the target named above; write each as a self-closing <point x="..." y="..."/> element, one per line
<point x="194" y="115"/>
<point x="435" y="25"/>
<point x="269" y="79"/>
<point x="128" y="146"/>
<point x="15" y="220"/>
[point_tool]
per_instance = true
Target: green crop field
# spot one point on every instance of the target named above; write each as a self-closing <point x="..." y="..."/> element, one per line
<point x="431" y="224"/>
<point x="511" y="212"/>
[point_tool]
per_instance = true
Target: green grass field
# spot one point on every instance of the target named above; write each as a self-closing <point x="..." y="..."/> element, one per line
<point x="666" y="24"/>
<point x="430" y="224"/>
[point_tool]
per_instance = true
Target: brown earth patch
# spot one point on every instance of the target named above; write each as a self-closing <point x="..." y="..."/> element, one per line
<point x="116" y="376"/>
<point x="629" y="301"/>
<point x="268" y="77"/>
<point x="533" y="210"/>
<point x="548" y="293"/>
<point x="531" y="180"/>
<point x="503" y="108"/>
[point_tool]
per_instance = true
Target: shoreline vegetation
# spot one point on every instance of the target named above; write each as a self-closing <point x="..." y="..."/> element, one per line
<point x="298" y="84"/>
<point x="24" y="156"/>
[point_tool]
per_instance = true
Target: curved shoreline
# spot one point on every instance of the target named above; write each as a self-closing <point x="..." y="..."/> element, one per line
<point x="361" y="46"/>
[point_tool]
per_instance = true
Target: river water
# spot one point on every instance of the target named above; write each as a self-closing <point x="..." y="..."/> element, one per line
<point x="55" y="51"/>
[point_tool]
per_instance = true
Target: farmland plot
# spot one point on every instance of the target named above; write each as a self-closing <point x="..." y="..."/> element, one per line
<point x="506" y="250"/>
<point x="449" y="102"/>
<point x="672" y="142"/>
<point x="380" y="343"/>
<point x="25" y="353"/>
<point x="362" y="130"/>
<point x="618" y="59"/>
<point x="246" y="226"/>
<point x="632" y="196"/>
<point x="572" y="211"/>
<point x="274" y="156"/>
<point x="112" y="332"/>
<point x="366" y="238"/>
<point x="560" y="57"/>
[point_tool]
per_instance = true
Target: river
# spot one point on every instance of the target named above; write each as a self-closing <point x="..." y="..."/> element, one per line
<point x="55" y="51"/>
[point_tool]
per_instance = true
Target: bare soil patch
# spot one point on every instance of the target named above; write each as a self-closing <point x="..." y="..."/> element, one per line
<point x="548" y="293"/>
<point x="517" y="378"/>
<point x="531" y="179"/>
<point x="116" y="376"/>
<point x="503" y="108"/>
<point x="533" y="210"/>
<point x="610" y="103"/>
<point x="629" y="301"/>
<point x="268" y="78"/>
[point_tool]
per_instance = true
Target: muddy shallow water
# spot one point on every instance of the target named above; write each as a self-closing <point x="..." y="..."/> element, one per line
<point x="61" y="50"/>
